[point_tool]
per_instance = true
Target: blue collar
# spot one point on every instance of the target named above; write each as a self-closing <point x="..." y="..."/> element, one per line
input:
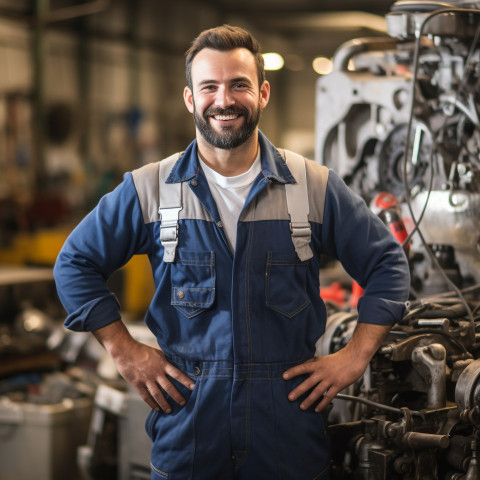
<point x="274" y="167"/>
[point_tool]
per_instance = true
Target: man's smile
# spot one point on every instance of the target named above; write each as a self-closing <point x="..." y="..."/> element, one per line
<point x="225" y="118"/>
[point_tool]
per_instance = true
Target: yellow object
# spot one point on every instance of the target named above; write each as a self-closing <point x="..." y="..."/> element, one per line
<point x="139" y="287"/>
<point x="42" y="247"/>
<point x="39" y="248"/>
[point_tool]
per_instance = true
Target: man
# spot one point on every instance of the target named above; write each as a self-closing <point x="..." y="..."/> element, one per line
<point x="235" y="390"/>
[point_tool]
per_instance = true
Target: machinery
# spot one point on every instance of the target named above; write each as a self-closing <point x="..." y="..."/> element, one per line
<point x="400" y="116"/>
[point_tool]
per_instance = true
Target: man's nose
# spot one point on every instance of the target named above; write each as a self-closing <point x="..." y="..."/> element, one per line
<point x="224" y="98"/>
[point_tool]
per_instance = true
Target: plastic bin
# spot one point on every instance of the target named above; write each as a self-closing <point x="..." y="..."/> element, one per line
<point x="40" y="441"/>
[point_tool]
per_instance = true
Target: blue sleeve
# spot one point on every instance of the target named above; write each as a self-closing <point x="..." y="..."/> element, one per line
<point x="368" y="251"/>
<point x="101" y="243"/>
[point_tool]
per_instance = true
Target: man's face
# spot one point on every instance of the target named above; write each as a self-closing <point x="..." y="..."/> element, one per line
<point x="226" y="100"/>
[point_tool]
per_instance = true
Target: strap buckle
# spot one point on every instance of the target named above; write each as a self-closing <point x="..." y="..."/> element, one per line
<point x="301" y="236"/>
<point x="169" y="231"/>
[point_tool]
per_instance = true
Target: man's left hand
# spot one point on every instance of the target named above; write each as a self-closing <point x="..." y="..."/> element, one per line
<point x="328" y="375"/>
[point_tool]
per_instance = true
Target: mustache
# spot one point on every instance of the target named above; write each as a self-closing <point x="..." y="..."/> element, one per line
<point x="211" y="111"/>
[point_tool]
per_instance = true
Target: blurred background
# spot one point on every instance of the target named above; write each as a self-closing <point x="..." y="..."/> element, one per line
<point x="89" y="90"/>
<point x="92" y="89"/>
<point x="386" y="93"/>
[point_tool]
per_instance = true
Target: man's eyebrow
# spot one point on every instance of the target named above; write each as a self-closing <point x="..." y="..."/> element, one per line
<point x="208" y="82"/>
<point x="232" y="80"/>
<point x="241" y="79"/>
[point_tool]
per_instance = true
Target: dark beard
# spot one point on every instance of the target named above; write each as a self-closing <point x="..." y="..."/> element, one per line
<point x="229" y="138"/>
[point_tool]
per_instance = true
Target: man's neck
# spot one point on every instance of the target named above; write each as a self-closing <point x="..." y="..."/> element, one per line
<point x="231" y="162"/>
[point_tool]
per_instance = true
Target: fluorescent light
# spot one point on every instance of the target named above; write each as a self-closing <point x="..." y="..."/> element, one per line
<point x="273" y="61"/>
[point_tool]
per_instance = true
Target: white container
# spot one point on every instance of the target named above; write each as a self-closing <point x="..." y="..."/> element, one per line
<point x="40" y="441"/>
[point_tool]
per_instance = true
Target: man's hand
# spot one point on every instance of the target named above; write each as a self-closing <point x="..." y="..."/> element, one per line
<point x="330" y="374"/>
<point x="144" y="367"/>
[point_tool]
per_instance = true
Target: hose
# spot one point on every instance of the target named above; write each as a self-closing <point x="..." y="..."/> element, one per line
<point x="380" y="406"/>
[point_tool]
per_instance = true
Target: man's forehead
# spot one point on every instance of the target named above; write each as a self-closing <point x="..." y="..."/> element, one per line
<point x="240" y="62"/>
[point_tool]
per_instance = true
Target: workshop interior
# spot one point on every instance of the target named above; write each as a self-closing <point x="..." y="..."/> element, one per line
<point x="385" y="93"/>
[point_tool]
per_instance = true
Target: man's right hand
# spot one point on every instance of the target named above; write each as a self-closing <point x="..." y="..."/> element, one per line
<point x="144" y="367"/>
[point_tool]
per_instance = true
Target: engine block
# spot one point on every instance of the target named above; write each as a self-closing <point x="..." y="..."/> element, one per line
<point x="400" y="114"/>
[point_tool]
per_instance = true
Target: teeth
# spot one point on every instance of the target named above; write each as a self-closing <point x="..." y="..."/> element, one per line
<point x="225" y="117"/>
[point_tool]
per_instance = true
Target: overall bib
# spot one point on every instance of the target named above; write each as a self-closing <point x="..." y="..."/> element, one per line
<point x="238" y="422"/>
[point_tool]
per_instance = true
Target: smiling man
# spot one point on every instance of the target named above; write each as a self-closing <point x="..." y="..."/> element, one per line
<point x="226" y="96"/>
<point x="235" y="388"/>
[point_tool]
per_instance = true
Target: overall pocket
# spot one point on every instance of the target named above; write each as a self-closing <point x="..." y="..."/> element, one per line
<point x="285" y="283"/>
<point x="299" y="458"/>
<point x="173" y="437"/>
<point x="153" y="415"/>
<point x="193" y="282"/>
<point x="150" y="422"/>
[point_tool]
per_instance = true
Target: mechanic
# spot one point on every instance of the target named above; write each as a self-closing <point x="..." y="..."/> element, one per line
<point x="235" y="389"/>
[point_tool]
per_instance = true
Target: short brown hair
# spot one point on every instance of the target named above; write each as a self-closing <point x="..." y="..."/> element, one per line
<point x="224" y="38"/>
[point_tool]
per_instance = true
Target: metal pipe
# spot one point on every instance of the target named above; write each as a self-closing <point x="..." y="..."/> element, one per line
<point x="360" y="45"/>
<point x="418" y="440"/>
<point x="342" y="396"/>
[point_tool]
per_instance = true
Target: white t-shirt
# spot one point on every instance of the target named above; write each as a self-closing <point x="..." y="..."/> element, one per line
<point x="230" y="194"/>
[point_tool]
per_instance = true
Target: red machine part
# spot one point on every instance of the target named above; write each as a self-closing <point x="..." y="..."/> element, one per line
<point x="385" y="205"/>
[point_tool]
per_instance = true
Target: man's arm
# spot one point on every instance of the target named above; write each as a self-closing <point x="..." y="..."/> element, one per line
<point x="144" y="367"/>
<point x="330" y="374"/>
<point x="82" y="267"/>
<point x="354" y="235"/>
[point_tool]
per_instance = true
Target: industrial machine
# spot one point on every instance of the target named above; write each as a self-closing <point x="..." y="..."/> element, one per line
<point x="399" y="115"/>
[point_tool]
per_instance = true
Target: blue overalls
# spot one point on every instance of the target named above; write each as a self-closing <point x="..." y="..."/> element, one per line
<point x="233" y="323"/>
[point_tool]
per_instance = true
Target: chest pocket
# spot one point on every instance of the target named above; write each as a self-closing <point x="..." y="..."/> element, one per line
<point x="286" y="283"/>
<point x="193" y="278"/>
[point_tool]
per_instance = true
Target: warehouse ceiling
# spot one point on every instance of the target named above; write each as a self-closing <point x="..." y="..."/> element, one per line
<point x="306" y="6"/>
<point x="308" y="26"/>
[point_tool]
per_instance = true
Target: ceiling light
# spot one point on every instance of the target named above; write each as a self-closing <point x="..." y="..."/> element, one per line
<point x="322" y="65"/>
<point x="273" y="61"/>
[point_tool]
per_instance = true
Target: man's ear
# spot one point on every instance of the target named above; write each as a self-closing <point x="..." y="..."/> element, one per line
<point x="188" y="99"/>
<point x="264" y="94"/>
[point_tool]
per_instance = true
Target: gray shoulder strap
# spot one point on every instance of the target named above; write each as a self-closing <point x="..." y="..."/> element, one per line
<point x="170" y="204"/>
<point x="297" y="205"/>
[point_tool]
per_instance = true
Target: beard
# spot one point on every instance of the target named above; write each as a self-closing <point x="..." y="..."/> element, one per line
<point x="228" y="138"/>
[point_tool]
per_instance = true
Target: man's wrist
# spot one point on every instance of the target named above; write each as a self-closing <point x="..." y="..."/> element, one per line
<point x="366" y="340"/>
<point x="114" y="337"/>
